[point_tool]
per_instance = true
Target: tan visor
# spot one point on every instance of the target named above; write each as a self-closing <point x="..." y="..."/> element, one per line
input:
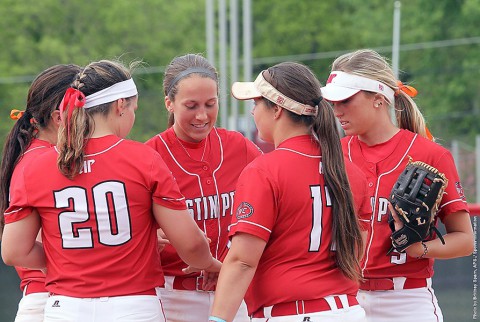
<point x="261" y="88"/>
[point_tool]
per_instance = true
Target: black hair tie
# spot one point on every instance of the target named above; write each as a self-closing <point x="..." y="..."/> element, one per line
<point x="317" y="101"/>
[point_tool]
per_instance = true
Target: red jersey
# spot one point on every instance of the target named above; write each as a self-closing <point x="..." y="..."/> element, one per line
<point x="382" y="164"/>
<point x="36" y="148"/>
<point x="208" y="185"/>
<point x="98" y="230"/>
<point x="282" y="198"/>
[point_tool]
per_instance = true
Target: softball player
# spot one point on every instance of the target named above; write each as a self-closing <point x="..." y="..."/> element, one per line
<point x="206" y="162"/>
<point x="99" y="208"/>
<point x="397" y="287"/>
<point x="295" y="236"/>
<point x="34" y="132"/>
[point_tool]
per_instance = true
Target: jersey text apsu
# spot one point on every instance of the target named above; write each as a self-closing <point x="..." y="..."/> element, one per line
<point x="382" y="209"/>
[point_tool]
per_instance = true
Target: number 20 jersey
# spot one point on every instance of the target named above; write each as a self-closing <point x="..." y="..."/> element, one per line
<point x="98" y="230"/>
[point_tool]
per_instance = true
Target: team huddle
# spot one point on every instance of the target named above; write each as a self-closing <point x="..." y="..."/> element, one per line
<point x="197" y="224"/>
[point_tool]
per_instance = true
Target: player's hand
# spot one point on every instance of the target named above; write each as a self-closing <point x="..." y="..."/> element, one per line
<point x="397" y="222"/>
<point x="413" y="250"/>
<point x="213" y="268"/>
<point x="162" y="240"/>
<point x="209" y="274"/>
<point x="209" y="280"/>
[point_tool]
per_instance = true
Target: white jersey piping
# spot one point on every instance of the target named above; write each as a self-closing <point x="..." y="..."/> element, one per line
<point x="369" y="244"/>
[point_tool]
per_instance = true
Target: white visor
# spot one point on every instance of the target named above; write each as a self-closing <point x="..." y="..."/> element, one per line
<point x="261" y="88"/>
<point x="123" y="89"/>
<point x="341" y="85"/>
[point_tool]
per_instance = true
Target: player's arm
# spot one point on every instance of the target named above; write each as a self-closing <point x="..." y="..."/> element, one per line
<point x="236" y="274"/>
<point x="459" y="239"/>
<point x="19" y="244"/>
<point x="185" y="236"/>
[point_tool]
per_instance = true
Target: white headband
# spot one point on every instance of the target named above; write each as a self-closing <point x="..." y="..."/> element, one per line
<point x="119" y="90"/>
<point x="261" y="88"/>
<point x="341" y="85"/>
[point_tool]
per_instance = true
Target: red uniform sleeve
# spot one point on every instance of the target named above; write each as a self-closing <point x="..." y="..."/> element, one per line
<point x="164" y="186"/>
<point x="453" y="199"/>
<point x="19" y="207"/>
<point x="255" y="207"/>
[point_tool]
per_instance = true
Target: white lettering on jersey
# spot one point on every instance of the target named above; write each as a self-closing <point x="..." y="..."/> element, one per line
<point x="382" y="208"/>
<point x="109" y="207"/>
<point x="398" y="258"/>
<point x="382" y="211"/>
<point x="318" y="204"/>
<point x="208" y="207"/>
<point x="213" y="203"/>
<point x="87" y="166"/>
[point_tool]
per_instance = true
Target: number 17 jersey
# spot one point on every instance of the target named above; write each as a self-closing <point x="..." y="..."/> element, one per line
<point x="282" y="198"/>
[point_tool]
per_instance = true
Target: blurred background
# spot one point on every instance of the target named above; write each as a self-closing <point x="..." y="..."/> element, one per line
<point x="435" y="45"/>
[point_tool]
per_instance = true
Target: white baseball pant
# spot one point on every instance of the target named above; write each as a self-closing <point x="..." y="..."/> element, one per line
<point x="190" y="305"/>
<point x="131" y="308"/>
<point x="400" y="305"/>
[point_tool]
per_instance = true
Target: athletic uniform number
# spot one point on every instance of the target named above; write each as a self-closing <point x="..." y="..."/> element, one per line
<point x="111" y="214"/>
<point x="398" y="258"/>
<point x="318" y="205"/>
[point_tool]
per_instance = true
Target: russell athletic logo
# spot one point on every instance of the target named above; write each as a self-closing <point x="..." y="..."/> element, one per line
<point x="245" y="210"/>
<point x="56" y="304"/>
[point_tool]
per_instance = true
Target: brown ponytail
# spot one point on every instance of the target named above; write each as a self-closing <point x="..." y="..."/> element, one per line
<point x="298" y="82"/>
<point x="44" y="96"/>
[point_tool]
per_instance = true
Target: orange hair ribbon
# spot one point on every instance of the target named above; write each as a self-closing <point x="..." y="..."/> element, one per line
<point x="407" y="89"/>
<point x="16" y="114"/>
<point x="73" y="98"/>
<point x="429" y="134"/>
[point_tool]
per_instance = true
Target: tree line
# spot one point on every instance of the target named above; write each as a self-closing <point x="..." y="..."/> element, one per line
<point x="37" y="34"/>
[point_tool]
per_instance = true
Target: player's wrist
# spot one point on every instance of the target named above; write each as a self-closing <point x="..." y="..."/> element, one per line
<point x="212" y="318"/>
<point x="424" y="250"/>
<point x="214" y="266"/>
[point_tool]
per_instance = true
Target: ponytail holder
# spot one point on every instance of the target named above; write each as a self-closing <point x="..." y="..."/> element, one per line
<point x="428" y="133"/>
<point x="317" y="101"/>
<point x="73" y="98"/>
<point x="16" y="114"/>
<point x="407" y="89"/>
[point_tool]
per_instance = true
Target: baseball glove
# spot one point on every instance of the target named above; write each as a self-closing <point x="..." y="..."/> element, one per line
<point x="416" y="197"/>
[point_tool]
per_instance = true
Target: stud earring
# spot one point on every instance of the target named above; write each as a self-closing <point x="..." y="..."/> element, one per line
<point x="121" y="114"/>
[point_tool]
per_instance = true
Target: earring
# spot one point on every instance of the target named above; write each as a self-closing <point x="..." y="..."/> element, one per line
<point x="121" y="114"/>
